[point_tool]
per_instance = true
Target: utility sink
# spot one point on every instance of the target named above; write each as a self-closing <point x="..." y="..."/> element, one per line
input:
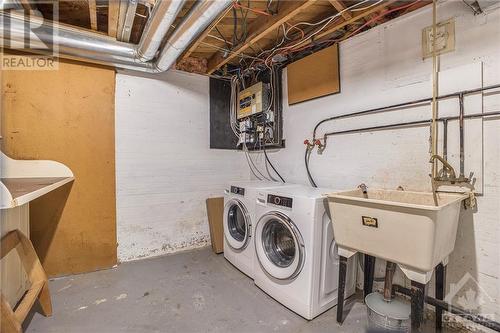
<point x="400" y="226"/>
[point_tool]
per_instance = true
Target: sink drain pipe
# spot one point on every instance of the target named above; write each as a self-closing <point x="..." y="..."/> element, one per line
<point x="445" y="306"/>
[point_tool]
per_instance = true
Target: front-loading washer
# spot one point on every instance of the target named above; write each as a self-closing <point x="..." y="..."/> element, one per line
<point x="296" y="255"/>
<point x="238" y="222"/>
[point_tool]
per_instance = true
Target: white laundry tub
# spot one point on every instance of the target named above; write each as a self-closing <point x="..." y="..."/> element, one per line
<point x="400" y="226"/>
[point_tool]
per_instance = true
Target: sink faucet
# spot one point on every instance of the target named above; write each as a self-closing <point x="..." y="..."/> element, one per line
<point x="449" y="171"/>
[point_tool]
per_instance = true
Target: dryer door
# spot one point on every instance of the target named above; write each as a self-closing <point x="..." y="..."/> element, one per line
<point x="237" y="224"/>
<point x="279" y="246"/>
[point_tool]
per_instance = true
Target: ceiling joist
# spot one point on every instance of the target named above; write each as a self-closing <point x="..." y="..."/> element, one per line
<point x="258" y="23"/>
<point x="204" y="35"/>
<point x="27" y="5"/>
<point x="353" y="19"/>
<point x="93" y="14"/>
<point x="113" y="14"/>
<point x="341" y="8"/>
<point x="262" y="26"/>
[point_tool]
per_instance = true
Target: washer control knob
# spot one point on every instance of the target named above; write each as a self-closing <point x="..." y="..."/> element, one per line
<point x="277" y="200"/>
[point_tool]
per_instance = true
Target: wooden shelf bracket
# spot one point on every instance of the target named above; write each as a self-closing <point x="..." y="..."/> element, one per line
<point x="11" y="321"/>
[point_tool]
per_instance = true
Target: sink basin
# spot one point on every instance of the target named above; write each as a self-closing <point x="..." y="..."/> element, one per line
<point x="400" y="226"/>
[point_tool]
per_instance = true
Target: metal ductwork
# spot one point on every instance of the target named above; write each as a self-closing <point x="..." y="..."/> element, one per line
<point x="199" y="18"/>
<point x="65" y="40"/>
<point x="90" y="47"/>
<point x="10" y="4"/>
<point x="162" y="18"/>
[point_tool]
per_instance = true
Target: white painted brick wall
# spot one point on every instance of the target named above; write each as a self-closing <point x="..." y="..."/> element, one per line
<point x="384" y="66"/>
<point x="164" y="167"/>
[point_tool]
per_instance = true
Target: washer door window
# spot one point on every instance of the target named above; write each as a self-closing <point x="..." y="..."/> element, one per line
<point x="279" y="246"/>
<point x="236" y="224"/>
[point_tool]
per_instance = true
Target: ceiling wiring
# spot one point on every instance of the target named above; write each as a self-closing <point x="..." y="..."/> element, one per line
<point x="229" y="44"/>
<point x="331" y="17"/>
<point x="241" y="55"/>
<point x="302" y="33"/>
<point x="292" y="36"/>
<point x="367" y="7"/>
<point x="326" y="22"/>
<point x="275" y="10"/>
<point x="293" y="48"/>
<point x="248" y="8"/>
<point x="238" y="39"/>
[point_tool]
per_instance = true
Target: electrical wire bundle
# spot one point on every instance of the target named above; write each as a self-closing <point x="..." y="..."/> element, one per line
<point x="233" y="106"/>
<point x="295" y="46"/>
<point x="293" y="36"/>
<point x="322" y="23"/>
<point x="290" y="42"/>
<point x="236" y="81"/>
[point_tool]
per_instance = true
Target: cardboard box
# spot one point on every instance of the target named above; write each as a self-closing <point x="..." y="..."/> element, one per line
<point x="215" y="212"/>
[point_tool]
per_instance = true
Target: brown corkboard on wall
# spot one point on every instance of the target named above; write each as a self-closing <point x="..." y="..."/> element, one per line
<point x="314" y="76"/>
<point x="67" y="115"/>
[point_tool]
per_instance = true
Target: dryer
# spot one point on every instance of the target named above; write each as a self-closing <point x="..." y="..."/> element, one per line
<point x="238" y="222"/>
<point x="296" y="255"/>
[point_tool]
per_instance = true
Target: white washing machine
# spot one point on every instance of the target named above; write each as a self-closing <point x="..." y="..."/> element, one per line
<point x="238" y="222"/>
<point x="296" y="256"/>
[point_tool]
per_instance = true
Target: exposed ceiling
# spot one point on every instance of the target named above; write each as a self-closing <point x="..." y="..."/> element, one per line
<point x="249" y="33"/>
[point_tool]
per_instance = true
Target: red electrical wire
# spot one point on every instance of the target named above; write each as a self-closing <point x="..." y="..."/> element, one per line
<point x="257" y="11"/>
<point x="379" y="16"/>
<point x="352" y="33"/>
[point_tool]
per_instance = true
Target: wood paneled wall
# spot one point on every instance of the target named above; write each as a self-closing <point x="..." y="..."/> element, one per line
<point x="67" y="115"/>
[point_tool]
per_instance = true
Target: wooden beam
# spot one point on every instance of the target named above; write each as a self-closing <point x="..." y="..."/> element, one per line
<point x="355" y="18"/>
<point x="259" y="28"/>
<point x="341" y="24"/>
<point x="339" y="6"/>
<point x="113" y="14"/>
<point x="204" y="35"/>
<point x="28" y="5"/>
<point x="93" y="14"/>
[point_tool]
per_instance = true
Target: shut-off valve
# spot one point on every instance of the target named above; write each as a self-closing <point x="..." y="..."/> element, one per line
<point x="317" y="142"/>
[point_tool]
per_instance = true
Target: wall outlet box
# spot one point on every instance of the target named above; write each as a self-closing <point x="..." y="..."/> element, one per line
<point x="445" y="38"/>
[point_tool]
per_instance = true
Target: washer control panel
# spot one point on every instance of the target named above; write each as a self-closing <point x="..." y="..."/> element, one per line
<point x="238" y="190"/>
<point x="279" y="200"/>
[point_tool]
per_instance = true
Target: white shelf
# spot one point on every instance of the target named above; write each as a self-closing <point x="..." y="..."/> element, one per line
<point x="22" y="181"/>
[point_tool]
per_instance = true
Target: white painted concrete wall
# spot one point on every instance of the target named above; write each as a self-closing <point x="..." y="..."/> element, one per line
<point x="384" y="66"/>
<point x="164" y="167"/>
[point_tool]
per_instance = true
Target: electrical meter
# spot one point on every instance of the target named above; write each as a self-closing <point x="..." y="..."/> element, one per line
<point x="253" y="100"/>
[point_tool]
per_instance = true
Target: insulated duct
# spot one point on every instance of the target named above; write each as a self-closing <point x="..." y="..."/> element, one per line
<point x="65" y="40"/>
<point x="162" y="18"/>
<point x="86" y="46"/>
<point x="199" y="18"/>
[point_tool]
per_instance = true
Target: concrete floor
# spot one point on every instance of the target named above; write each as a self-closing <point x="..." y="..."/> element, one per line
<point x="187" y="292"/>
